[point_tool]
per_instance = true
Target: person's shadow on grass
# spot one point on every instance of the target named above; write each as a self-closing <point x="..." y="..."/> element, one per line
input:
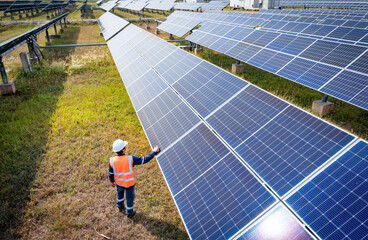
<point x="162" y="229"/>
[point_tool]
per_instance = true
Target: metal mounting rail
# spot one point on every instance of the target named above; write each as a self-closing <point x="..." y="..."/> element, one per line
<point x="11" y="44"/>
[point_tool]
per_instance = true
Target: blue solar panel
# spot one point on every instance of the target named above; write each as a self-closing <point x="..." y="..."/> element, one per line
<point x="277" y="224"/>
<point x="215" y="192"/>
<point x="206" y="87"/>
<point x="201" y="148"/>
<point x="296" y="68"/>
<point x="317" y="75"/>
<point x="176" y="65"/>
<point x="222" y="200"/>
<point x="335" y="203"/>
<point x="297" y="45"/>
<point x="245" y="114"/>
<point x="282" y="41"/>
<point x="350" y="87"/>
<point x="144" y="89"/>
<point x="290" y="147"/>
<point x="276" y="62"/>
<point x="238" y="33"/>
<point x="343" y="55"/>
<point x="222" y="45"/>
<point x="356" y="34"/>
<point x="247" y="53"/>
<point x="166" y="119"/>
<point x="260" y="58"/>
<point x="319" y="50"/>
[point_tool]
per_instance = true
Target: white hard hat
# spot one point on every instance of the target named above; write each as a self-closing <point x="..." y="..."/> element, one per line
<point x="118" y="145"/>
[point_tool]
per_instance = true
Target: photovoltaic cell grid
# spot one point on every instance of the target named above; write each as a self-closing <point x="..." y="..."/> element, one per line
<point x="180" y="23"/>
<point x="111" y="24"/>
<point x="107" y="6"/>
<point x="165" y="119"/>
<point x="335" y="203"/>
<point x="283" y="124"/>
<point x="278" y="223"/>
<point x="160" y="6"/>
<point x="318" y="64"/>
<point x="223" y="199"/>
<point x="346" y="30"/>
<point x="136" y="6"/>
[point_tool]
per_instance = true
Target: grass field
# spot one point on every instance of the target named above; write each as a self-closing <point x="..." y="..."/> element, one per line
<point x="56" y="134"/>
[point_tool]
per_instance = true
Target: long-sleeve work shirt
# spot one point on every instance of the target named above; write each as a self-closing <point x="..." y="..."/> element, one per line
<point x="136" y="161"/>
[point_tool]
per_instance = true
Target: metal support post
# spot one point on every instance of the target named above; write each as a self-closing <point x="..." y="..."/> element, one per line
<point x="142" y="12"/>
<point x="148" y="27"/>
<point x="55" y="29"/>
<point x="47" y="35"/>
<point x="4" y="77"/>
<point x="12" y="16"/>
<point x="47" y="15"/>
<point x="61" y="26"/>
<point x="140" y="21"/>
<point x="64" y="23"/>
<point x="20" y="15"/>
<point x="32" y="12"/>
<point x="31" y="49"/>
<point x="324" y="98"/>
<point x="237" y="62"/>
<point x="157" y="30"/>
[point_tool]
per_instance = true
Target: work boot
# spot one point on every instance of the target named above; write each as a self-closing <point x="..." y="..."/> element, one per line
<point x="131" y="215"/>
<point x="121" y="209"/>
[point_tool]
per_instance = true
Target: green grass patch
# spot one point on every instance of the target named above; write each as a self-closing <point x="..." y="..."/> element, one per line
<point x="8" y="32"/>
<point x="58" y="130"/>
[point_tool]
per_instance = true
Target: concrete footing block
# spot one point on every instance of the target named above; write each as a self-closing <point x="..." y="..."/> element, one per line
<point x="197" y="50"/>
<point x="61" y="30"/>
<point x="48" y="43"/>
<point x="237" y="68"/>
<point x="8" y="88"/>
<point x="322" y="108"/>
<point x="171" y="38"/>
<point x="101" y="34"/>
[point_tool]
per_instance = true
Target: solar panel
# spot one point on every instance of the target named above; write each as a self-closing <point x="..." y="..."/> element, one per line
<point x="160" y="6"/>
<point x="226" y="144"/>
<point x="311" y="62"/>
<point x="338" y="196"/>
<point x="107" y="6"/>
<point x="136" y="6"/>
<point x="188" y="6"/>
<point x="277" y="223"/>
<point x="111" y="24"/>
<point x="178" y="23"/>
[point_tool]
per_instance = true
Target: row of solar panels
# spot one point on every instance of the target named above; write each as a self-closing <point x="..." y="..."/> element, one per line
<point x="14" y="6"/>
<point x="356" y="34"/>
<point x="240" y="162"/>
<point x="165" y="6"/>
<point x="329" y="59"/>
<point x="322" y="4"/>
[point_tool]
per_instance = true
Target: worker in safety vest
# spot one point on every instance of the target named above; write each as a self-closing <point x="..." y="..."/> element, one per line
<point x="121" y="174"/>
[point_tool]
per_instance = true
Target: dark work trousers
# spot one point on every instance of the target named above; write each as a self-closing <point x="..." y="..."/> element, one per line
<point x="129" y="194"/>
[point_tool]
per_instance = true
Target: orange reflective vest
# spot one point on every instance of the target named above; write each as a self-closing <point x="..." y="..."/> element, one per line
<point x="124" y="174"/>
